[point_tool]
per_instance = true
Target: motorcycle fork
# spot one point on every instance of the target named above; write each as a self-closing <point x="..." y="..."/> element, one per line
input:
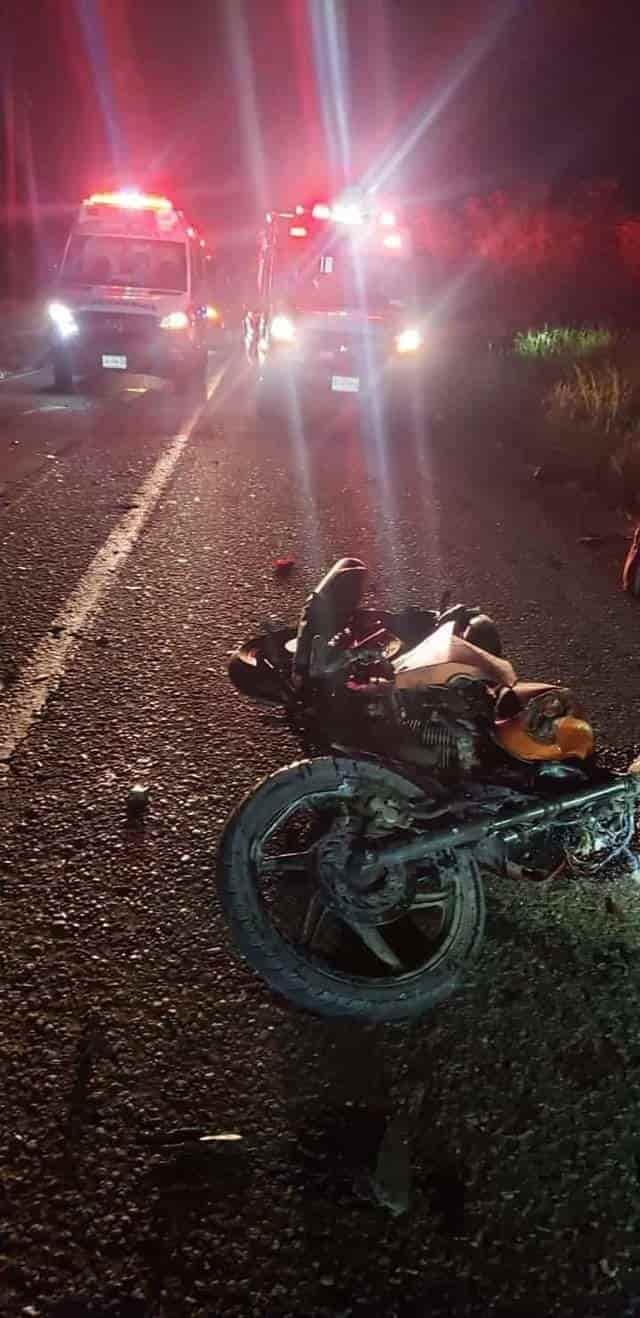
<point x="367" y="861"/>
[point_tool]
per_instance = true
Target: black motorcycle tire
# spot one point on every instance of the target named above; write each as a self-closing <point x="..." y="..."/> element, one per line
<point x="253" y="675"/>
<point x="251" y="672"/>
<point x="62" y="373"/>
<point x="304" y="979"/>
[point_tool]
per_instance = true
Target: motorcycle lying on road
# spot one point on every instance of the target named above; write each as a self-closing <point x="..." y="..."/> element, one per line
<point x="353" y="880"/>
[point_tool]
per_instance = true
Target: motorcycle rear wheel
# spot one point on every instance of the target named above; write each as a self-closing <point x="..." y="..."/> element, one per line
<point x="260" y="666"/>
<point x="289" y="965"/>
<point x="253" y="673"/>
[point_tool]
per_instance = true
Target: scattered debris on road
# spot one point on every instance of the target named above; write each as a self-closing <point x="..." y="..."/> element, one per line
<point x="283" y="566"/>
<point x="137" y="801"/>
<point x="610" y="538"/>
<point x="390" y="1183"/>
<point x="189" y="1139"/>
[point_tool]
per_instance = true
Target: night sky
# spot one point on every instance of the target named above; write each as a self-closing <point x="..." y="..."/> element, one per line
<point x="229" y="104"/>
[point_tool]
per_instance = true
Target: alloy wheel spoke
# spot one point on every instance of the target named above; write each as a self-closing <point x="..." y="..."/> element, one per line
<point x="314" y="917"/>
<point x="374" y="941"/>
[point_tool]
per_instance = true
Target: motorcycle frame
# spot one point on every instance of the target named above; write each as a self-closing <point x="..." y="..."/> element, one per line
<point x="366" y="865"/>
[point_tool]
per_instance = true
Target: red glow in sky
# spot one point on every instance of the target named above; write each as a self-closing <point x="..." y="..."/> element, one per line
<point x="114" y="85"/>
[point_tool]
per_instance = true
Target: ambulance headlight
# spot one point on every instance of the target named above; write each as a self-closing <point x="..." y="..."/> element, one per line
<point x="410" y="340"/>
<point x="283" y="330"/>
<point x="63" y="319"/>
<point x="176" y="320"/>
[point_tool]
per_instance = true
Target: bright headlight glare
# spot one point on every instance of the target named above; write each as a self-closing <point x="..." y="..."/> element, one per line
<point x="347" y="213"/>
<point x="283" y="330"/>
<point x="63" y="319"/>
<point x="410" y="340"/>
<point x="176" y="320"/>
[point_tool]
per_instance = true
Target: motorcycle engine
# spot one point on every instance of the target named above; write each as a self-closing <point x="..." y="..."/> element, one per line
<point x="444" y="729"/>
<point x="449" y="724"/>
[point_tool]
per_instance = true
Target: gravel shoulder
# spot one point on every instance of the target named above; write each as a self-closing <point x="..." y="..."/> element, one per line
<point x="22" y="336"/>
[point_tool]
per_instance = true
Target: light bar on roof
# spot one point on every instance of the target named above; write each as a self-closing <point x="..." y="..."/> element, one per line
<point x="129" y="200"/>
<point x="346" y="213"/>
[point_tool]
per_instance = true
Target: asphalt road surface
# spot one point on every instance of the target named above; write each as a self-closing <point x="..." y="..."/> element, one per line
<point x="137" y="540"/>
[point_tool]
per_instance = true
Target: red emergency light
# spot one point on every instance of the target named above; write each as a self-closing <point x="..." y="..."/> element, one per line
<point x="129" y="200"/>
<point x="297" y="231"/>
<point x="321" y="211"/>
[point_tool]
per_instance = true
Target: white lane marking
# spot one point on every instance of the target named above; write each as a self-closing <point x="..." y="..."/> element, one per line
<point x="45" y="669"/>
<point x="21" y="375"/>
<point x="49" y="407"/>
<point x="43" y="672"/>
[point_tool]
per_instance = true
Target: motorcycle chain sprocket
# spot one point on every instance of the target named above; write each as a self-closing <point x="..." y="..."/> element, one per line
<point x="389" y="897"/>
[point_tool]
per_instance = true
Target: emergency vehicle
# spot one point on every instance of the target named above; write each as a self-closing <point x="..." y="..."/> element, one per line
<point x="336" y="306"/>
<point x="133" y="293"/>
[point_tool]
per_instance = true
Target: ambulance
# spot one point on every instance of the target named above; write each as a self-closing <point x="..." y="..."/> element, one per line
<point x="133" y="294"/>
<point x="336" y="307"/>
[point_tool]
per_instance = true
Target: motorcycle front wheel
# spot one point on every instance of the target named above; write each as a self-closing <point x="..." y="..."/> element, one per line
<point x="388" y="954"/>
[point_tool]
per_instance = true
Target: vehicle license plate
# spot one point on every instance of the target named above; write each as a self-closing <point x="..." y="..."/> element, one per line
<point x="114" y="363"/>
<point x="345" y="384"/>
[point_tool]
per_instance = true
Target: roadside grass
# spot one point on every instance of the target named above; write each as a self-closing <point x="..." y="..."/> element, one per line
<point x="563" y="341"/>
<point x="574" y="394"/>
<point x="599" y="398"/>
<point x="591" y="417"/>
